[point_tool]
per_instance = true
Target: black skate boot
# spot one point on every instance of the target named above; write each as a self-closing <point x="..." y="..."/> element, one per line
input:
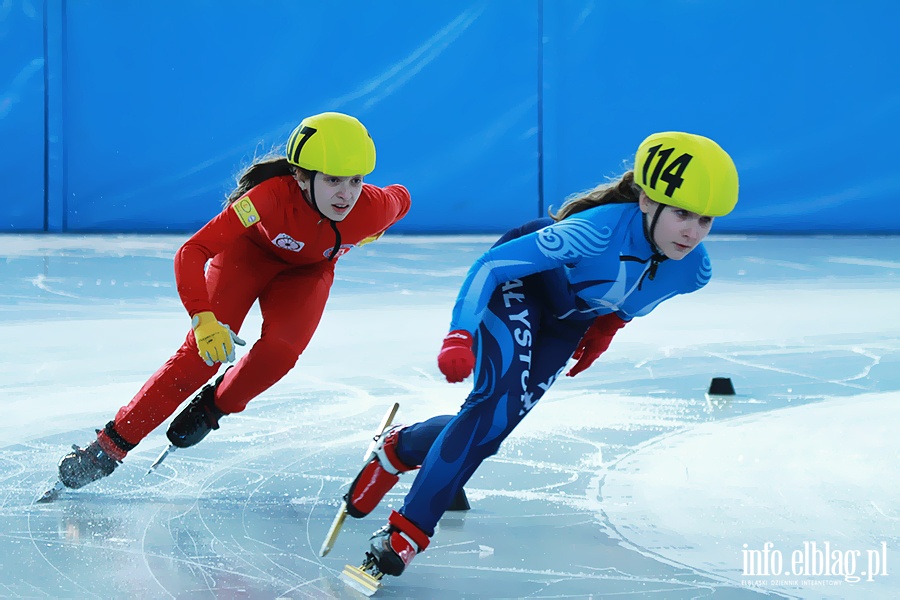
<point x="100" y="458"/>
<point x="197" y="419"/>
<point x="395" y="545"/>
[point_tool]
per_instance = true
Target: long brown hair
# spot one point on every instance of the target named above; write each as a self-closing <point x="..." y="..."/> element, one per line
<point x="614" y="192"/>
<point x="272" y="165"/>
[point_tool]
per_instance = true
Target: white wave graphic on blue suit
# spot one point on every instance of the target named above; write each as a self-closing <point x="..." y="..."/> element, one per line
<point x="572" y="239"/>
<point x="705" y="273"/>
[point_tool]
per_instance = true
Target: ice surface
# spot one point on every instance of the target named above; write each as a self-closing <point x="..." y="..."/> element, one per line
<point x="626" y="481"/>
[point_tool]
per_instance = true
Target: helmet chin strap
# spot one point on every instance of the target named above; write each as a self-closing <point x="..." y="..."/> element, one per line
<point x="658" y="255"/>
<point x="315" y="205"/>
<point x="312" y="194"/>
<point x="650" y="229"/>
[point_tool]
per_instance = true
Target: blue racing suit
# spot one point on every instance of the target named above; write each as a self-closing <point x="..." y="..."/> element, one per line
<point x="528" y="301"/>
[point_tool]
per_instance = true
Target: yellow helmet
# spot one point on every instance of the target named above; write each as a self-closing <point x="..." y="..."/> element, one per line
<point x="332" y="143"/>
<point x="688" y="171"/>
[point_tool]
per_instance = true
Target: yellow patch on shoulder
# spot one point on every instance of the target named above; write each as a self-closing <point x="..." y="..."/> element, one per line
<point x="245" y="211"/>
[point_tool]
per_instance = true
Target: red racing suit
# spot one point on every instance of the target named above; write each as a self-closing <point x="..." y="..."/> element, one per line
<point x="271" y="246"/>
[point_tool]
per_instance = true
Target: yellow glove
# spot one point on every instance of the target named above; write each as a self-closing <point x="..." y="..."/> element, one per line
<point x="215" y="340"/>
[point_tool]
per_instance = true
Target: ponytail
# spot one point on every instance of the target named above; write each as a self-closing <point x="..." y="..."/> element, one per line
<point x="616" y="192"/>
<point x="255" y="174"/>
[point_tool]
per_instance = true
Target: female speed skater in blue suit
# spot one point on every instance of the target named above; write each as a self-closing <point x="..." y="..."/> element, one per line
<point x="547" y="291"/>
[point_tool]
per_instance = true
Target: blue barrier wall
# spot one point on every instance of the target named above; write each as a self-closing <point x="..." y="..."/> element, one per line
<point x="22" y="133"/>
<point x="133" y="116"/>
<point x="802" y="94"/>
<point x="160" y="147"/>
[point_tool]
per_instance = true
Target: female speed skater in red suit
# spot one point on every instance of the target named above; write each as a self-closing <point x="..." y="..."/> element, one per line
<point x="277" y="241"/>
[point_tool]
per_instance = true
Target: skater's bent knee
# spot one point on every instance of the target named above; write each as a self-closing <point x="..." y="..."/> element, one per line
<point x="279" y="350"/>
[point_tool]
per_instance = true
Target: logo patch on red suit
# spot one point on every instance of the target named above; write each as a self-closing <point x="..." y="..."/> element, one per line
<point x="285" y="241"/>
<point x="344" y="249"/>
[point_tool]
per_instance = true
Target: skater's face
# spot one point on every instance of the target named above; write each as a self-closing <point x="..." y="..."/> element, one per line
<point x="335" y="196"/>
<point x="677" y="231"/>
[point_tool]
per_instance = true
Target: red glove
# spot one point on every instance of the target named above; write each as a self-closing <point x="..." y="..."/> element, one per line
<point x="456" y="359"/>
<point x="595" y="341"/>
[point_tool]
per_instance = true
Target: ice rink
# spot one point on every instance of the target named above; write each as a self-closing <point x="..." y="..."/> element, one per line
<point x="626" y="481"/>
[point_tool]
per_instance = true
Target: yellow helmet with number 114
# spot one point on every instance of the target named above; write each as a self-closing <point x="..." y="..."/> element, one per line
<point x="687" y="171"/>
<point x="332" y="143"/>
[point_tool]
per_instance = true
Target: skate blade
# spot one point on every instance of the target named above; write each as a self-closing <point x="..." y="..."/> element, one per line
<point x="361" y="581"/>
<point x="338" y="522"/>
<point x="385" y="423"/>
<point x="52" y="494"/>
<point x="161" y="458"/>
<point x="334" y="530"/>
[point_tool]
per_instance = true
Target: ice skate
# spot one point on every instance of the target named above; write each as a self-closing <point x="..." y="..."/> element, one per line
<point x="378" y="475"/>
<point x="391" y="550"/>
<point x="197" y="419"/>
<point x="85" y="465"/>
<point x="343" y="511"/>
<point x="78" y="468"/>
<point x="395" y="545"/>
<point x="82" y="466"/>
<point x="366" y="578"/>
<point x="193" y="423"/>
